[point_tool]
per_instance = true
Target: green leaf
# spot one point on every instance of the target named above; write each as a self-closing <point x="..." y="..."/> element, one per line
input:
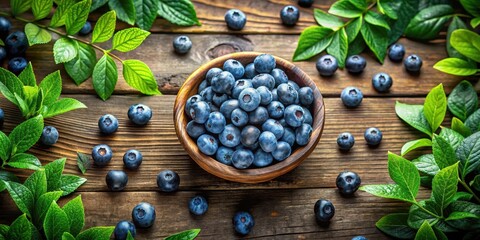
<point x="83" y="162"/>
<point x="75" y="212"/>
<point x="456" y="66"/>
<point x="26" y="134"/>
<point x="37" y="183"/>
<point x="36" y="35"/>
<point x="97" y="4"/>
<point x="4" y="229"/>
<point x="475" y="183"/>
<point x="54" y="173"/>
<point x="466" y="223"/>
<point x="312" y="41"/>
<point x="58" y="18"/>
<point x="105" y="77"/>
<point x="180" y="12"/>
<point x="326" y="20"/>
<point x="24" y="108"/>
<point x="426" y="164"/>
<point x="20" y="229"/>
<point x="64" y="50"/>
<point x="463" y="100"/>
<point x="42" y="205"/>
<point x="96" y="233"/>
<point x="56" y="222"/>
<point x="407" y="10"/>
<point x="356" y="46"/>
<point x="458" y="126"/>
<point x="345" y="8"/>
<point x="461" y="215"/>
<point x="417" y="216"/>
<point x="128" y="39"/>
<point x="392" y="191"/>
<point x="22" y="196"/>
<point x="475" y="22"/>
<point x="428" y="3"/>
<point x="139" y="76"/>
<point x="5" y="147"/>
<point x="20" y="6"/>
<point x="67" y="235"/>
<point x="386" y="7"/>
<point x="435" y="107"/>
<point x="76" y="16"/>
<point x="9" y="85"/>
<point x="129" y="236"/>
<point x="428" y="22"/>
<point x="469" y="154"/>
<point x="466" y="43"/>
<point x="8" y="176"/>
<point x="443" y="152"/>
<point x="353" y="29"/>
<point x="81" y="67"/>
<point x="404" y="173"/>
<point x="473" y="121"/>
<point x="185" y="235"/>
<point x="27" y="76"/>
<point x="41" y="8"/>
<point x="146" y="12"/>
<point x="51" y="86"/>
<point x="125" y="10"/>
<point x="444" y="186"/>
<point x="414" y="116"/>
<point x="471" y="6"/>
<point x="62" y="106"/>
<point x="104" y="28"/>
<point x="452" y="137"/>
<point x="425" y="232"/>
<point x="376" y="19"/>
<point x="70" y="183"/>
<point x="456" y="23"/>
<point x="339" y="47"/>
<point x="395" y="225"/>
<point x="460" y="196"/>
<point x="412" y="145"/>
<point x="376" y="39"/>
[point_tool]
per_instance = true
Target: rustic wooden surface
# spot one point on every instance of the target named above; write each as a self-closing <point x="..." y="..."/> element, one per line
<point x="283" y="207"/>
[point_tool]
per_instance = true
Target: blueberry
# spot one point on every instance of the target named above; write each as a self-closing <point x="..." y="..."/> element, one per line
<point x="274" y="95"/>
<point x="355" y="64"/>
<point x="5" y="26"/>
<point x="243" y="222"/>
<point x="122" y="228"/>
<point x="265" y="95"/>
<point x="235" y="19"/>
<point x="239" y="117"/>
<point x="242" y="158"/>
<point x="359" y="238"/>
<point x="230" y="137"/>
<point x="324" y="210"/>
<point x="294" y="115"/>
<point x="267" y="141"/>
<point x="212" y="73"/>
<point x="216" y="123"/>
<point x="264" y="63"/>
<point x="223" y="82"/>
<point x="279" y="76"/>
<point x="307" y="116"/>
<point x="219" y="98"/>
<point x="274" y="127"/>
<point x="2" y="117"/>
<point x="276" y="109"/>
<point x="373" y="136"/>
<point x="249" y="99"/>
<point x="294" y="85"/>
<point x="139" y="114"/>
<point x="86" y="29"/>
<point x="207" y="94"/>
<point x="396" y="52"/>
<point x="116" y="180"/>
<point x="345" y="141"/>
<point x="200" y="112"/>
<point x="108" y="124"/>
<point x="249" y="135"/>
<point x="250" y="71"/>
<point x="228" y="106"/>
<point x="262" y="158"/>
<point x="143" y="215"/>
<point x="17" y="64"/>
<point x="204" y="84"/>
<point x="302" y="134"/>
<point x="239" y="86"/>
<point x="198" y="205"/>
<point x="49" y="136"/>
<point x="132" y="159"/>
<point x="190" y="101"/>
<point x="348" y="182"/>
<point x="264" y="79"/>
<point x="305" y="3"/>
<point x="282" y="151"/>
<point x="289" y="15"/>
<point x="16" y="44"/>
<point x="224" y="155"/>
<point x="234" y="67"/>
<point x="207" y="144"/>
<point x="351" y="97"/>
<point x="305" y="94"/>
<point x="258" y="116"/>
<point x="101" y="154"/>
<point x="287" y="94"/>
<point x="182" y="44"/>
<point x="168" y="181"/>
<point x="3" y="54"/>
<point x="194" y="129"/>
<point x="413" y="63"/>
<point x="382" y="82"/>
<point x="288" y="136"/>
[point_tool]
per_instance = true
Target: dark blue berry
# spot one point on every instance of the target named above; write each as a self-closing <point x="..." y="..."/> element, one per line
<point x="116" y="180"/>
<point x="182" y="44"/>
<point x="267" y="141"/>
<point x="262" y="158"/>
<point x="234" y="67"/>
<point x="264" y="63"/>
<point x="258" y="116"/>
<point x="102" y="154"/>
<point x="249" y="99"/>
<point x="242" y="158"/>
<point x="190" y="101"/>
<point x="345" y="141"/>
<point x="294" y="85"/>
<point x="274" y="95"/>
<point x="348" y="182"/>
<point x="216" y="123"/>
<point x="396" y="52"/>
<point x="294" y="115"/>
<point x="230" y="137"/>
<point x="194" y="129"/>
<point x="308" y="119"/>
<point x="264" y="79"/>
<point x="279" y="76"/>
<point x="373" y="136"/>
<point x="49" y="136"/>
<point x="212" y="73"/>
<point x="207" y="144"/>
<point x="249" y="135"/>
<point x="199" y="112"/>
<point x="132" y="159"/>
<point x="168" y="181"/>
<point x="355" y="64"/>
<point x="219" y="98"/>
<point x="305" y="94"/>
<point x="265" y="95"/>
<point x="239" y="86"/>
<point x="351" y="97"/>
<point x="289" y="15"/>
<point x="305" y="3"/>
<point x="413" y="63"/>
<point x="5" y="26"/>
<point x="359" y="238"/>
<point x="324" y="210"/>
<point x="3" y="54"/>
<point x="250" y="71"/>
<point x="17" y="64"/>
<point x="2" y="117"/>
<point x="143" y="215"/>
<point x="198" y="205"/>
<point x="239" y="117"/>
<point x="382" y="82"/>
<point x="86" y="29"/>
<point x="288" y="136"/>
<point x="16" y="44"/>
<point x="282" y="151"/>
<point x="287" y="94"/>
<point x="224" y="155"/>
<point x="243" y="222"/>
<point x="207" y="94"/>
<point x="204" y="84"/>
<point x="223" y="82"/>
<point x="274" y="127"/>
<point x="276" y="109"/>
<point x="139" y="114"/>
<point x="122" y="228"/>
<point x="108" y="124"/>
<point x="302" y="134"/>
<point x="235" y="19"/>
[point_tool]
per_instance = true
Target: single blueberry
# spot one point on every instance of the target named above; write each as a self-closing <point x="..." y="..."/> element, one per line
<point x="262" y="158"/>
<point x="204" y="84"/>
<point x="276" y="109"/>
<point x="224" y="155"/>
<point x="282" y="151"/>
<point x="239" y="117"/>
<point x="49" y="136"/>
<point x="280" y="76"/>
<point x="373" y="136"/>
<point x="234" y="67"/>
<point x="230" y="137"/>
<point x="132" y="159"/>
<point x="182" y="44"/>
<point x="207" y="94"/>
<point x="305" y="3"/>
<point x="308" y="119"/>
<point x="267" y="141"/>
<point x="359" y="238"/>
<point x="288" y="136"/>
<point x="139" y="114"/>
<point x="5" y="26"/>
<point x="355" y="64"/>
<point x="17" y="64"/>
<point x="116" y="180"/>
<point x="345" y="141"/>
<point x="289" y="15"/>
<point x="108" y="124"/>
<point x="243" y="222"/>
<point x="223" y="82"/>
<point x="2" y="117"/>
<point x="324" y="210"/>
<point x="348" y="182"/>
<point x="258" y="116"/>
<point x="86" y="29"/>
<point x="274" y="127"/>
<point x="265" y="95"/>
<point x="200" y="111"/>
<point x="143" y="215"/>
<point x="190" y="101"/>
<point x="101" y="154"/>
<point x="305" y="95"/>
<point x="194" y="129"/>
<point x="239" y="86"/>
<point x="287" y="94"/>
<point x="168" y="181"/>
<point x="207" y="144"/>
<point x="219" y="98"/>
<point x="302" y="134"/>
<point x="294" y="85"/>
<point x="242" y="158"/>
<point x="16" y="44"/>
<point x="264" y="79"/>
<point x="413" y="63"/>
<point x="396" y="52"/>
<point x="122" y="228"/>
<point x="382" y="82"/>
<point x="235" y="19"/>
<point x="294" y="115"/>
<point x="250" y="71"/>
<point x="351" y="97"/>
<point x="212" y="73"/>
<point x="249" y="99"/>
<point x="249" y="135"/>
<point x="274" y="95"/>
<point x="198" y="205"/>
<point x="3" y="54"/>
<point x="216" y="122"/>
<point x="264" y="63"/>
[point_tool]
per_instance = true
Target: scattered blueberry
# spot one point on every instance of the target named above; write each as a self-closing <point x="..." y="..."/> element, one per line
<point x="216" y="123"/>
<point x="3" y="54"/>
<point x="207" y="144"/>
<point x="249" y="99"/>
<point x="199" y="112"/>
<point x="86" y="29"/>
<point x="250" y="71"/>
<point x="413" y="63"/>
<point x="116" y="180"/>
<point x="182" y="44"/>
<point x="348" y="182"/>
<point x="359" y="238"/>
<point x="262" y="158"/>
<point x="122" y="228"/>
<point x="223" y="82"/>
<point x="302" y="134"/>
<point x="258" y="116"/>
<point x="355" y="64"/>
<point x="351" y="97"/>
<point x="282" y="151"/>
<point x="373" y="136"/>
<point x="345" y="141"/>
<point x="396" y="52"/>
<point x="224" y="155"/>
<point x="168" y="181"/>
<point x="235" y="19"/>
<point x="49" y="136"/>
<point x="324" y="210"/>
<point x="294" y="115"/>
<point x="280" y="76"/>
<point x="230" y="137"/>
<point x="16" y="44"/>
<point x="382" y="82"/>
<point x="139" y="114"/>
<point x="108" y="124"/>
<point x="143" y="215"/>
<point x="5" y="26"/>
<point x="289" y="15"/>
<point x="305" y="94"/>
<point x="234" y="67"/>
<point x="101" y="154"/>
<point x="198" y="205"/>
<point x="132" y="159"/>
<point x="242" y="158"/>
<point x="243" y="222"/>
<point x="2" y="117"/>
<point x="239" y="117"/>
<point x="305" y="3"/>
<point x="264" y="63"/>
<point x="17" y="64"/>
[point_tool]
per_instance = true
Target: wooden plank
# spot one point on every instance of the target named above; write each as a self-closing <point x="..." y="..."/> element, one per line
<point x="278" y="214"/>
<point x="162" y="150"/>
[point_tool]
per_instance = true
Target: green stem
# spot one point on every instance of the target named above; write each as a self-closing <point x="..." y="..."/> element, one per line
<point x="427" y="211"/>
<point x="465" y="185"/>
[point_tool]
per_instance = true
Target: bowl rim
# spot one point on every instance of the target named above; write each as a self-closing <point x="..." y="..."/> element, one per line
<point x="249" y="175"/>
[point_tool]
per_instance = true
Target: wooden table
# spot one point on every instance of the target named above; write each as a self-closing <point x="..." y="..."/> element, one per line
<point x="283" y="208"/>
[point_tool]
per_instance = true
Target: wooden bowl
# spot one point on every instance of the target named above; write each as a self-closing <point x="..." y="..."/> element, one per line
<point x="251" y="175"/>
